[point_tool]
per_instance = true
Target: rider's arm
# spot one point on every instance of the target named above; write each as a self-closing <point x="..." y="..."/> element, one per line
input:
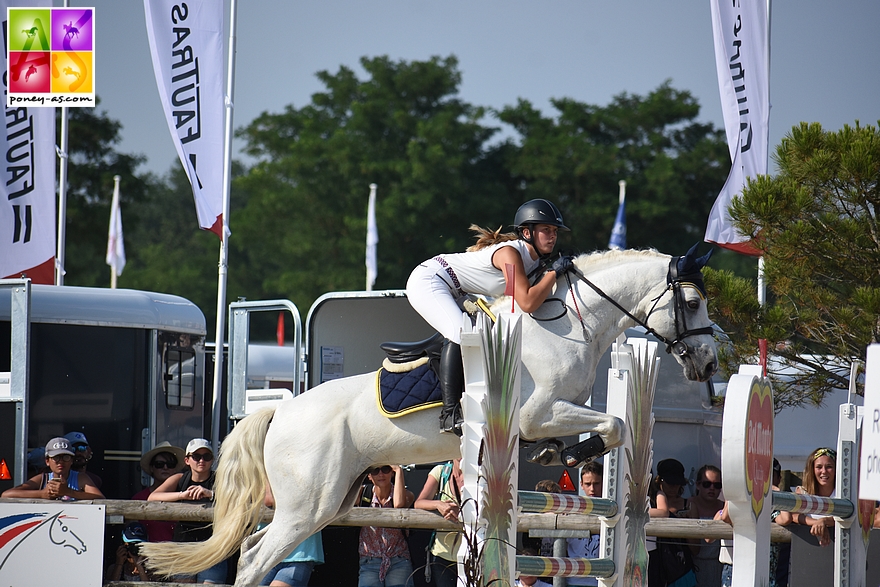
<point x="529" y="297"/>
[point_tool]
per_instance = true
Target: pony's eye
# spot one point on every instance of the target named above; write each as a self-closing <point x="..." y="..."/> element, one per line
<point x="693" y="304"/>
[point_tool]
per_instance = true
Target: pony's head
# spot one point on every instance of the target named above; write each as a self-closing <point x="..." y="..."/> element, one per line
<point x="680" y="318"/>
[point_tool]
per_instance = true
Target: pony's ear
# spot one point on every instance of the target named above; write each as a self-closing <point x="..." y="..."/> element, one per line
<point x="690" y="263"/>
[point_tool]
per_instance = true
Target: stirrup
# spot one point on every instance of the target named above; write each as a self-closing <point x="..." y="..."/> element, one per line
<point x="451" y="422"/>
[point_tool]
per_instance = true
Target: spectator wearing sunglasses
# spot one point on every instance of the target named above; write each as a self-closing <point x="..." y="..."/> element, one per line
<point x="195" y="484"/>
<point x="60" y="482"/>
<point x="160" y="463"/>
<point x="385" y="560"/>
<point x="82" y="454"/>
<point x="704" y="506"/>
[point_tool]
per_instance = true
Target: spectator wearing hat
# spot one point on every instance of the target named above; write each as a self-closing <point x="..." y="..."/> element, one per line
<point x="129" y="565"/>
<point x="60" y="482"/>
<point x="195" y="484"/>
<point x="82" y="454"/>
<point x="36" y="462"/>
<point x="670" y="561"/>
<point x="160" y="463"/>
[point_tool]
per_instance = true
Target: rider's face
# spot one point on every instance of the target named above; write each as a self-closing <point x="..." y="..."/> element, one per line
<point x="544" y="238"/>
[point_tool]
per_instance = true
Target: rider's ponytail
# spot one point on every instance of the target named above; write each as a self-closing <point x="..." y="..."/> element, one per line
<point x="487" y="238"/>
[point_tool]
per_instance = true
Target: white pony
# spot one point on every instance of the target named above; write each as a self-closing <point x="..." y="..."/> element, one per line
<point x="314" y="449"/>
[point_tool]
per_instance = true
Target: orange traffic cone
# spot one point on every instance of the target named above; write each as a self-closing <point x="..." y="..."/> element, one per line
<point x="4" y="470"/>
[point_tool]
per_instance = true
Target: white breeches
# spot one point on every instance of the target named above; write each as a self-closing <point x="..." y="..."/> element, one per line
<point x="431" y="296"/>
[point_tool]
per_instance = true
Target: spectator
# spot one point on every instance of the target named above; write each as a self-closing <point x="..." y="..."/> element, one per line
<point x="780" y="552"/>
<point x="195" y="484"/>
<point x="703" y="506"/>
<point x="60" y="482"/>
<point x="160" y="463"/>
<point x="36" y="462"/>
<point x="671" y="562"/>
<point x="384" y="554"/>
<point x="819" y="479"/>
<point x="591" y="484"/>
<point x="82" y="454"/>
<point x="129" y="565"/>
<point x="530" y="580"/>
<point x="442" y="492"/>
<point x="296" y="569"/>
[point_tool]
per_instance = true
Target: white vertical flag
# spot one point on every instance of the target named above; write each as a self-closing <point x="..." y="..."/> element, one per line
<point x="618" y="233"/>
<point x="742" y="58"/>
<point x="372" y="239"/>
<point x="27" y="192"/>
<point x="115" y="245"/>
<point x="186" y="42"/>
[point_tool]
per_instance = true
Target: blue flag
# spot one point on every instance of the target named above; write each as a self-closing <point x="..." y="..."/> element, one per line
<point x="618" y="233"/>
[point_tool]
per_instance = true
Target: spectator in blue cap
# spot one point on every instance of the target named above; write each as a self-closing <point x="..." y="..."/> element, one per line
<point x="129" y="565"/>
<point x="82" y="454"/>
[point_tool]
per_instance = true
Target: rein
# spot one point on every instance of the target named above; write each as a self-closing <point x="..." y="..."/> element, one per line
<point x="674" y="285"/>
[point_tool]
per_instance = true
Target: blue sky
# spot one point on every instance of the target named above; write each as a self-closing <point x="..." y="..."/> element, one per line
<point x="824" y="56"/>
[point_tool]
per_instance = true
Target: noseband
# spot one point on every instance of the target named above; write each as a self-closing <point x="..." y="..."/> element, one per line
<point x="674" y="283"/>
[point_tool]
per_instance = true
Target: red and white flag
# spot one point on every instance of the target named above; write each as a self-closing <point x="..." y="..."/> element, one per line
<point x="27" y="192"/>
<point x="115" y="244"/>
<point x="186" y="42"/>
<point x="742" y="58"/>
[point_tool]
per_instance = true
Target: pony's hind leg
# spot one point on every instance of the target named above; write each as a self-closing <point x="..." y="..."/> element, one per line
<point x="265" y="549"/>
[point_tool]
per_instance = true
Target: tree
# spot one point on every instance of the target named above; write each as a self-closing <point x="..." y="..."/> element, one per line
<point x="91" y="165"/>
<point x="302" y="231"/>
<point x="816" y="225"/>
<point x="673" y="166"/>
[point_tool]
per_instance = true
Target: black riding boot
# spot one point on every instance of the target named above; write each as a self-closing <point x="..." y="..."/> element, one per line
<point x="451" y="387"/>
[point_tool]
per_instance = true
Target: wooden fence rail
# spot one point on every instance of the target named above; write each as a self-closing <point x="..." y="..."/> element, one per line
<point x="119" y="511"/>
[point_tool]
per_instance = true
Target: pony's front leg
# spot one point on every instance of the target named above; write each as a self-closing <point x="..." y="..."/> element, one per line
<point x="563" y="418"/>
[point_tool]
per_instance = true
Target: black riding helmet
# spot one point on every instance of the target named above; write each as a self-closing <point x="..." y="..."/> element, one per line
<point x="534" y="212"/>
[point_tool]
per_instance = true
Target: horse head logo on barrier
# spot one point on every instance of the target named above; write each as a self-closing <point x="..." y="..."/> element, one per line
<point x="16" y="529"/>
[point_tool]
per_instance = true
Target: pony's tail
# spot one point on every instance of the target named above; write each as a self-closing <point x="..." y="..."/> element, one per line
<point x="239" y="491"/>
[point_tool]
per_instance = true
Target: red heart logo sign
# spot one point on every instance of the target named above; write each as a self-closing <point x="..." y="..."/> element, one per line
<point x="759" y="445"/>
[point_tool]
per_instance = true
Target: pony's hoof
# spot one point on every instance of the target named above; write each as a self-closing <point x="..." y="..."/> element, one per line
<point x="546" y="453"/>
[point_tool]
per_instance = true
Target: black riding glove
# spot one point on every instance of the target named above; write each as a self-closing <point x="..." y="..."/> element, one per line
<point x="563" y="265"/>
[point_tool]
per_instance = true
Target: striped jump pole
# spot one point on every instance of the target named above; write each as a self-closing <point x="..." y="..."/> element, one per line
<point x="537" y="502"/>
<point x="798" y="503"/>
<point x="547" y="566"/>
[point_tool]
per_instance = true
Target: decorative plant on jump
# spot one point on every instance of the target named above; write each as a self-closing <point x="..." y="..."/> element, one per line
<point x="639" y="453"/>
<point x="502" y="363"/>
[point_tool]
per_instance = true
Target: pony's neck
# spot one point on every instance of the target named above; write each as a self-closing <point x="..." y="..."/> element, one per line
<point x="633" y="279"/>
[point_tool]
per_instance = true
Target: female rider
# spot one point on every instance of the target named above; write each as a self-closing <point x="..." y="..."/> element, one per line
<point x="435" y="286"/>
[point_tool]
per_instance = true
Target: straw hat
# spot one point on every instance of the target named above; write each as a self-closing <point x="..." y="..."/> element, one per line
<point x="163" y="447"/>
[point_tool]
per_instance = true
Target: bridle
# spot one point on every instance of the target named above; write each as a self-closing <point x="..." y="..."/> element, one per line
<point x="676" y="279"/>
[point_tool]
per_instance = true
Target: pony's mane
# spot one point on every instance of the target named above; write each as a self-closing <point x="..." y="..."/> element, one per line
<point x="595" y="261"/>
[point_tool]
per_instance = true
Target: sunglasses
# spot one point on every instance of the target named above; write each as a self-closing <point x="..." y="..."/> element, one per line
<point x="197" y="457"/>
<point x="386" y="469"/>
<point x="163" y="464"/>
<point x="708" y="484"/>
<point x="80" y="447"/>
<point x="62" y="458"/>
